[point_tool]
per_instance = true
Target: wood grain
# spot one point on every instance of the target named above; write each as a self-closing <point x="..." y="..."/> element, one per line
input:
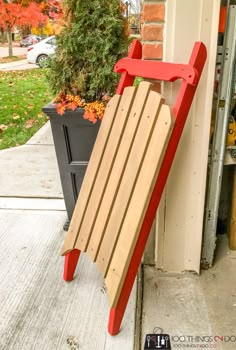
<point x="138" y="205"/>
<point x="103" y="172"/>
<point x="117" y="172"/>
<point x="118" y="206"/>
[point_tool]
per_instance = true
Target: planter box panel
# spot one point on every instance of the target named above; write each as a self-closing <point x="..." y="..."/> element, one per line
<point x="82" y="134"/>
<point x="74" y="138"/>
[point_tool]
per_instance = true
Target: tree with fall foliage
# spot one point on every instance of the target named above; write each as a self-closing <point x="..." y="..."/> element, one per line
<point x="15" y="14"/>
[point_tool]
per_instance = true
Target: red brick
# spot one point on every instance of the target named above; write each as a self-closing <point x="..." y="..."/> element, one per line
<point x="152" y="51"/>
<point x="152" y="32"/>
<point x="154" y="12"/>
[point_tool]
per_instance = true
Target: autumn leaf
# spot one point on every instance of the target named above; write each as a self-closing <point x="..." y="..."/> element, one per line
<point x="30" y="123"/>
<point x="15" y="116"/>
<point x="72" y="105"/>
<point x="91" y="116"/>
<point x="3" y="127"/>
<point x="61" y="108"/>
<point x="15" y="107"/>
<point x="30" y="106"/>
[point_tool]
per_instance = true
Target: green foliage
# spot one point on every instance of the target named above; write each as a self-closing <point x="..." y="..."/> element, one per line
<point x="92" y="40"/>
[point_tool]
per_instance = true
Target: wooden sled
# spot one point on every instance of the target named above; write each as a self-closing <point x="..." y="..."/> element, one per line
<point x="127" y="173"/>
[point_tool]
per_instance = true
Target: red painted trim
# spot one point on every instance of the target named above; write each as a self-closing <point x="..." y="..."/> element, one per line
<point x="157" y="70"/>
<point x="71" y="260"/>
<point x="126" y="79"/>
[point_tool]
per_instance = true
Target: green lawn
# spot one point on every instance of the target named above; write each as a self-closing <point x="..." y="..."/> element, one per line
<point x="22" y="96"/>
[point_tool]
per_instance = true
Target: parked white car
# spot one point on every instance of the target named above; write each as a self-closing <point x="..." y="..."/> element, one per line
<point x="39" y="52"/>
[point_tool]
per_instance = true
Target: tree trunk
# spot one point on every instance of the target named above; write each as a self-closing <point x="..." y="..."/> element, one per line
<point x="3" y="37"/>
<point x="9" y="38"/>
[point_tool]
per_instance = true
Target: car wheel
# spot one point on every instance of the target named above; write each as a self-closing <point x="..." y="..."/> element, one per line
<point x="41" y="60"/>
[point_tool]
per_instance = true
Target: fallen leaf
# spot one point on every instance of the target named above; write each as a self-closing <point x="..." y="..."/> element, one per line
<point x="30" y="106"/>
<point x="15" y="116"/>
<point x="3" y="127"/>
<point x="30" y="123"/>
<point x="15" y="107"/>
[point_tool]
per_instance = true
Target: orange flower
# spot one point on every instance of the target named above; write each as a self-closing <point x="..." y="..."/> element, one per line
<point x="93" y="111"/>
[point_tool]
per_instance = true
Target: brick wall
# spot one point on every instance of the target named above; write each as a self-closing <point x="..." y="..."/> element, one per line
<point x="152" y="28"/>
<point x="152" y="32"/>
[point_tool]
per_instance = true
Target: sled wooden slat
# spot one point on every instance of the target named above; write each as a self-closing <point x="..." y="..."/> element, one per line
<point x="117" y="207"/>
<point x="116" y="115"/>
<point x="102" y="174"/>
<point x="120" y="164"/>
<point x="136" y="210"/>
<point x="121" y="137"/>
<point x="90" y="177"/>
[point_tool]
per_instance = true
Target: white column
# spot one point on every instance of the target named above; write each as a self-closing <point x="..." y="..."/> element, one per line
<point x="180" y="217"/>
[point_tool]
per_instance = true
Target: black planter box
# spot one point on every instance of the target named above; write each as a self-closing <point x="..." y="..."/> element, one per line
<point x="74" y="138"/>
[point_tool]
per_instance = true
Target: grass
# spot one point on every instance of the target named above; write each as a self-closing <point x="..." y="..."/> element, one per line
<point x="22" y="96"/>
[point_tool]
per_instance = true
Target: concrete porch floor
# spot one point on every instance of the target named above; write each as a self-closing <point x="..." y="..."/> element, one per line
<point x="187" y="305"/>
<point x="38" y="310"/>
<point x="42" y="312"/>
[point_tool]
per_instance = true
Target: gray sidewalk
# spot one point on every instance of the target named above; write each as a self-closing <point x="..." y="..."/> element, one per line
<point x="38" y="309"/>
<point x="17" y="65"/>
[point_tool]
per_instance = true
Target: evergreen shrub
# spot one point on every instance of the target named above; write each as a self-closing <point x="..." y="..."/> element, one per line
<point x="93" y="38"/>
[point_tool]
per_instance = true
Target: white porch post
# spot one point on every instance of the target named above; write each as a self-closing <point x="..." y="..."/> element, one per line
<point x="180" y="216"/>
